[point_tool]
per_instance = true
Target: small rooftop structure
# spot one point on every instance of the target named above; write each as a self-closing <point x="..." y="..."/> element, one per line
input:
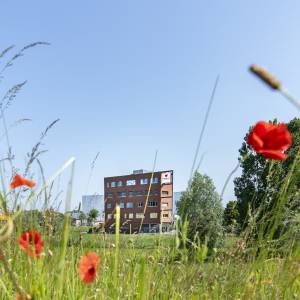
<point x="140" y="171"/>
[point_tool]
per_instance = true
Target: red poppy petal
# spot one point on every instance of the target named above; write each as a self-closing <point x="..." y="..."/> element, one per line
<point x="255" y="141"/>
<point x="278" y="138"/>
<point x="18" y="181"/>
<point x="273" y="154"/>
<point x="37" y="237"/>
<point x="262" y="128"/>
<point x="29" y="183"/>
<point x="87" y="267"/>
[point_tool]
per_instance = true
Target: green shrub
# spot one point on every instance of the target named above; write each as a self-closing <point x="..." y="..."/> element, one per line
<point x="201" y="208"/>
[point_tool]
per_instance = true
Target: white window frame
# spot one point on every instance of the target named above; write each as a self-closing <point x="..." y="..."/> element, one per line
<point x="153" y="215"/>
<point x="130" y="182"/>
<point x="144" y="181"/>
<point x="139" y="215"/>
<point x="156" y="203"/>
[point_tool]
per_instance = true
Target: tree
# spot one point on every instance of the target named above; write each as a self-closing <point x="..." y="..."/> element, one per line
<point x="263" y="180"/>
<point x="230" y="216"/>
<point x="200" y="205"/>
<point x="82" y="217"/>
<point x="93" y="214"/>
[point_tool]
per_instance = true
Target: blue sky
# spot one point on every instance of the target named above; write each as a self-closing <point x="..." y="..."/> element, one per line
<point x="129" y="77"/>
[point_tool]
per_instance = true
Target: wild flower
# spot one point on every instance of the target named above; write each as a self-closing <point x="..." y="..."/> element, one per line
<point x="88" y="267"/>
<point x="23" y="297"/>
<point x="31" y="242"/>
<point x="270" y="140"/>
<point x="18" y="181"/>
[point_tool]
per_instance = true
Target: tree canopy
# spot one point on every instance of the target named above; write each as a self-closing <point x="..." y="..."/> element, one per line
<point x="262" y="181"/>
<point x="201" y="207"/>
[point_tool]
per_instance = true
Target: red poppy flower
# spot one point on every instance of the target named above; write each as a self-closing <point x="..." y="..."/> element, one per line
<point x="88" y="267"/>
<point x="23" y="297"/>
<point x="32" y="243"/>
<point x="18" y="180"/>
<point x="270" y="140"/>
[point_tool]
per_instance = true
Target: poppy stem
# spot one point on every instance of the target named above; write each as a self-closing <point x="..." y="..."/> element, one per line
<point x="288" y="96"/>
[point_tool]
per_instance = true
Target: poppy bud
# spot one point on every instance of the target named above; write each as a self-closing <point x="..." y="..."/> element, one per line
<point x="265" y="76"/>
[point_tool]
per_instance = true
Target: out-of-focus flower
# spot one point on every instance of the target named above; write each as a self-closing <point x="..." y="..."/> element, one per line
<point x="270" y="140"/>
<point x="88" y="267"/>
<point x="23" y="297"/>
<point x="18" y="180"/>
<point x="31" y="242"/>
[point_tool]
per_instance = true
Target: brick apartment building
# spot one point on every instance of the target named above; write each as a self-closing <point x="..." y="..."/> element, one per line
<point x="130" y="192"/>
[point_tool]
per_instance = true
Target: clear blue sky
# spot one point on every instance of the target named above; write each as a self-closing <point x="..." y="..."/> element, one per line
<point x="129" y="77"/>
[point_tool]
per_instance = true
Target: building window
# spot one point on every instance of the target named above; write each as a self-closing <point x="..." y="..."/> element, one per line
<point x="110" y="195"/>
<point x="107" y="184"/>
<point x="153" y="215"/>
<point x="119" y="183"/>
<point x="121" y="194"/>
<point x="152" y="203"/>
<point x="125" y="216"/>
<point x="130" y="182"/>
<point x="130" y="194"/>
<point x="140" y="204"/>
<point x="122" y="205"/>
<point x="130" y="216"/>
<point x="139" y="215"/>
<point x="144" y="181"/>
<point x="165" y="215"/>
<point x="154" y="192"/>
<point x="108" y="216"/>
<point x="164" y="205"/>
<point x="113" y="184"/>
<point x="164" y="193"/>
<point x="108" y="205"/>
<point x="154" y="180"/>
<point x="139" y="193"/>
<point x="129" y="205"/>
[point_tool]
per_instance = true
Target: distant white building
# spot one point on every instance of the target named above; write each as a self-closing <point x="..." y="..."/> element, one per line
<point x="93" y="201"/>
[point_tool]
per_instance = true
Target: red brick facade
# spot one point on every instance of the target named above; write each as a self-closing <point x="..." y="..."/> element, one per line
<point x="130" y="192"/>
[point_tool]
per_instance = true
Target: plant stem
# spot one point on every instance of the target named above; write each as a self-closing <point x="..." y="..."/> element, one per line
<point x="290" y="97"/>
<point x="11" y="274"/>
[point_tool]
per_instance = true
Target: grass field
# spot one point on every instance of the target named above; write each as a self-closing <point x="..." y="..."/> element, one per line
<point x="148" y="267"/>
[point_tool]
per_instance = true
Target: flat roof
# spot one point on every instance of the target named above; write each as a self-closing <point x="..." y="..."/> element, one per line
<point x="148" y="172"/>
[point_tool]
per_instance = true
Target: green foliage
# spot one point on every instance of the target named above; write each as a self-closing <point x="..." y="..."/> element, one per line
<point x="201" y="207"/>
<point x="230" y="216"/>
<point x="49" y="220"/>
<point x="263" y="180"/>
<point x="82" y="217"/>
<point x="93" y="214"/>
